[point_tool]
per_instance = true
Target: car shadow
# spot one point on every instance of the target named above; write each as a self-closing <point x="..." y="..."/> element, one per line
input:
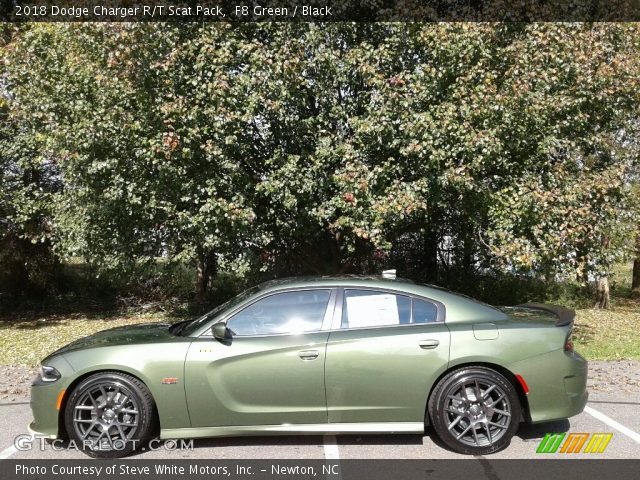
<point x="307" y="440"/>
<point x="526" y="432"/>
<point x="537" y="431"/>
<point x="299" y="440"/>
<point x="258" y="441"/>
<point x="314" y="440"/>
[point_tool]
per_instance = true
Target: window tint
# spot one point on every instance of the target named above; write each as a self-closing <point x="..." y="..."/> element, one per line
<point x="364" y="308"/>
<point x="424" y="312"/>
<point x="290" y="312"/>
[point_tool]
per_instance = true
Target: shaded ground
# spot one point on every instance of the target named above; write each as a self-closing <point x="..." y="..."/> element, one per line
<point x="27" y="338"/>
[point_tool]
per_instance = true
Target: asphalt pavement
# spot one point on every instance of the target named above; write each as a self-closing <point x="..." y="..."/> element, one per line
<point x="616" y="413"/>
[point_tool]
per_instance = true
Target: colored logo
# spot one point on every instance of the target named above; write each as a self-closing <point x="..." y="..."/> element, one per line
<point x="573" y="443"/>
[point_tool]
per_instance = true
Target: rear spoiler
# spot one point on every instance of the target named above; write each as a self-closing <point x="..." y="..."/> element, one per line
<point x="565" y="315"/>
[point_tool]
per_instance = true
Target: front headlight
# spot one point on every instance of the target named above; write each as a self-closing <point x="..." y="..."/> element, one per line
<point x="47" y="375"/>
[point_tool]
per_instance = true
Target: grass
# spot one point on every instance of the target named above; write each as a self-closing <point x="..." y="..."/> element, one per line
<point x="612" y="334"/>
<point x="609" y="334"/>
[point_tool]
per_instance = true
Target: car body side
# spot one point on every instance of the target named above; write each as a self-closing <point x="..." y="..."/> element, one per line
<point x="470" y="333"/>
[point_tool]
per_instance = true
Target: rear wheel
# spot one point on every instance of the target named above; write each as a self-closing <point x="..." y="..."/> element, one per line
<point x="475" y="410"/>
<point x="110" y="415"/>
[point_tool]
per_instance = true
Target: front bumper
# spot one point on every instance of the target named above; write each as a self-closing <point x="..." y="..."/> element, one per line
<point x="44" y="399"/>
<point x="44" y="411"/>
<point x="31" y="429"/>
<point x="557" y="384"/>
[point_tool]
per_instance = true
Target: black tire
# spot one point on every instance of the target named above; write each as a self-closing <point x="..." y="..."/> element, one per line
<point x="99" y="415"/>
<point x="472" y="423"/>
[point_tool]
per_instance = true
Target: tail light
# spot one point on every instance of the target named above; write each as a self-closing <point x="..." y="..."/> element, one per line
<point x="568" y="344"/>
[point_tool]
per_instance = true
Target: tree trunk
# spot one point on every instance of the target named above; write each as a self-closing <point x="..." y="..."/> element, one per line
<point x="635" y="280"/>
<point x="582" y="275"/>
<point x="602" y="287"/>
<point x="431" y="258"/>
<point x="206" y="269"/>
<point x="468" y="251"/>
<point x="336" y="257"/>
<point x="201" y="282"/>
<point x="430" y="248"/>
<point x="602" y="299"/>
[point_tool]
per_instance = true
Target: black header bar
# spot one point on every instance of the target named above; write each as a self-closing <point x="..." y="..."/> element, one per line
<point x="319" y="10"/>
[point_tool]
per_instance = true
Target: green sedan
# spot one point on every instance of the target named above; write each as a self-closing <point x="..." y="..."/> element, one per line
<point x="313" y="356"/>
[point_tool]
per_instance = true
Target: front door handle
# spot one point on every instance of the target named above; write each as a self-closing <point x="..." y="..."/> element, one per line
<point x="428" y="344"/>
<point x="308" y="354"/>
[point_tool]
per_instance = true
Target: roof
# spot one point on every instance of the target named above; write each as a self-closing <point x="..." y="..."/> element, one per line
<point x="333" y="279"/>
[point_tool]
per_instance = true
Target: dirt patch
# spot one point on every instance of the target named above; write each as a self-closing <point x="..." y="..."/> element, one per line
<point x="621" y="376"/>
<point x="15" y="382"/>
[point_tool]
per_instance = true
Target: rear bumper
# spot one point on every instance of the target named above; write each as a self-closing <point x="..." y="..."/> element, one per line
<point x="557" y="384"/>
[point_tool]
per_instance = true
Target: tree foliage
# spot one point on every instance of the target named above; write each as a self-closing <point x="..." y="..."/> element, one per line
<point x="320" y="148"/>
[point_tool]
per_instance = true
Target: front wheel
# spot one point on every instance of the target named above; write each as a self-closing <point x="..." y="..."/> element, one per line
<point x="110" y="415"/>
<point x="475" y="410"/>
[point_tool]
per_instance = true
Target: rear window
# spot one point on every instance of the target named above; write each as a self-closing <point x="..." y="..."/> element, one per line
<point x="367" y="309"/>
<point x="424" y="312"/>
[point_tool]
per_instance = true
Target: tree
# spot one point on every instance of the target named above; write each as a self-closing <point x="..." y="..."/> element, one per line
<point x="28" y="180"/>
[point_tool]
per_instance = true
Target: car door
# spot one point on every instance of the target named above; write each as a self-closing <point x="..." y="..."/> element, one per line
<point x="271" y="370"/>
<point x="384" y="352"/>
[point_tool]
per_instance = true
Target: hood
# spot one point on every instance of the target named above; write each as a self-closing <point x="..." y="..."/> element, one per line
<point x="127" y="335"/>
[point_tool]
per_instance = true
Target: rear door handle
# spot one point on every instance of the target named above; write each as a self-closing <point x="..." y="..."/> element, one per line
<point x="428" y="344"/>
<point x="308" y="354"/>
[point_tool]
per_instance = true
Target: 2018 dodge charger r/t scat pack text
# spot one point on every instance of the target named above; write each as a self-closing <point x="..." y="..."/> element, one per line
<point x="318" y="355"/>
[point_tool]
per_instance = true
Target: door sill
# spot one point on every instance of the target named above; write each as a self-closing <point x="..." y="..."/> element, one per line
<point x="288" y="429"/>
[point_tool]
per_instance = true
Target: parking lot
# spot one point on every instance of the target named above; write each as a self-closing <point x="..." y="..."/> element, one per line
<point x="617" y="413"/>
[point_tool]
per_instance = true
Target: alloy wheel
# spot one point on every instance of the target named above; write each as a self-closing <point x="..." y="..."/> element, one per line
<point x="478" y="412"/>
<point x="106" y="416"/>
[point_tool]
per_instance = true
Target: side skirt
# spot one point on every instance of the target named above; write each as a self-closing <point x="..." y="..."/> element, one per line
<point x="288" y="429"/>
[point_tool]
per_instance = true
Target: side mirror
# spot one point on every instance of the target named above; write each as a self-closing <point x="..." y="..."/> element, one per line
<point x="220" y="331"/>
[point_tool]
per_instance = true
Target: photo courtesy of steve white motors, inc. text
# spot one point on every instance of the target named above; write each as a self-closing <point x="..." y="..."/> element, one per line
<point x="228" y="470"/>
<point x="151" y="11"/>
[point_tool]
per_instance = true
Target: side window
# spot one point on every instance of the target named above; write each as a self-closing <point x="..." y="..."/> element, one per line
<point x="366" y="308"/>
<point x="424" y="312"/>
<point x="288" y="312"/>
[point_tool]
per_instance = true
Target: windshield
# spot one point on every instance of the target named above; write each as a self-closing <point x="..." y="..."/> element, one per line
<point x="193" y="325"/>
